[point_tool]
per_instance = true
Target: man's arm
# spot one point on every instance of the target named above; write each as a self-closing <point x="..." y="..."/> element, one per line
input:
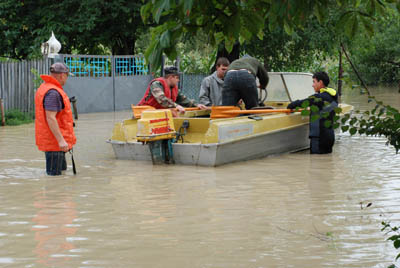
<point x="185" y="101"/>
<point x="315" y="99"/>
<point x="262" y="75"/>
<point x="204" y="95"/>
<point x="157" y="90"/>
<point x="55" y="129"/>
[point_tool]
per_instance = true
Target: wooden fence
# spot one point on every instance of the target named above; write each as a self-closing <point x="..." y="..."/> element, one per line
<point x="17" y="86"/>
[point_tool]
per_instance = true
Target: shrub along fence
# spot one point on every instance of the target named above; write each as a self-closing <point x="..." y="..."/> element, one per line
<point x="100" y="84"/>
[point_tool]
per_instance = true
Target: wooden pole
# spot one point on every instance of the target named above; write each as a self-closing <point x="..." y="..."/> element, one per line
<point x="75" y="110"/>
<point x="340" y="75"/>
<point x="3" y="119"/>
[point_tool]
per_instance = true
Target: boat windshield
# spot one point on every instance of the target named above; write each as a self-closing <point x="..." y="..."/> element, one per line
<point x="289" y="86"/>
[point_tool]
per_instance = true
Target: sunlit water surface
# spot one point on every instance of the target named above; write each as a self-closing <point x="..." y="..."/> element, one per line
<point x="290" y="210"/>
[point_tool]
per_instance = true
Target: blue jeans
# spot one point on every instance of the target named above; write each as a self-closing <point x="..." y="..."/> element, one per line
<point x="55" y="163"/>
<point x="240" y="85"/>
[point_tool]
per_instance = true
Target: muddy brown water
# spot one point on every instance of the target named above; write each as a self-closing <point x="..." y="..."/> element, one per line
<point x="289" y="210"/>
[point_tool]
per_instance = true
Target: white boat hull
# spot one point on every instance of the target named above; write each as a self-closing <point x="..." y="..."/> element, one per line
<point x="215" y="154"/>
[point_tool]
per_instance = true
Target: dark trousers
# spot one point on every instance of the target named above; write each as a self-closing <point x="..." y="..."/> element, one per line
<point x="324" y="143"/>
<point x="240" y="85"/>
<point x="55" y="163"/>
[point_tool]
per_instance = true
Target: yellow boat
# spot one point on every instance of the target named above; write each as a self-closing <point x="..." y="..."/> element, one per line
<point x="195" y="138"/>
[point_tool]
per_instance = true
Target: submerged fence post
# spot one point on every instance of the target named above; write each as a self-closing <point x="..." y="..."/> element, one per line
<point x="340" y="75"/>
<point x="3" y="119"/>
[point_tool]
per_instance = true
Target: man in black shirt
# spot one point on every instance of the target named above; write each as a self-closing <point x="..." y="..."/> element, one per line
<point x="240" y="82"/>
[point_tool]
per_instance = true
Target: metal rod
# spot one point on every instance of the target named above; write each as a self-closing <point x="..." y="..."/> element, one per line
<point x="287" y="90"/>
<point x="340" y="75"/>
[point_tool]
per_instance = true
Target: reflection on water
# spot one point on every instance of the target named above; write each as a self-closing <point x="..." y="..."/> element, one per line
<point x="290" y="210"/>
<point x="54" y="227"/>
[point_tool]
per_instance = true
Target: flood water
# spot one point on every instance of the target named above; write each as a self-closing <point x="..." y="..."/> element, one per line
<point x="290" y="210"/>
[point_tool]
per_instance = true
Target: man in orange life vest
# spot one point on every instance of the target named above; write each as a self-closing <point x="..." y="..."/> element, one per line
<point x="53" y="119"/>
<point x="163" y="93"/>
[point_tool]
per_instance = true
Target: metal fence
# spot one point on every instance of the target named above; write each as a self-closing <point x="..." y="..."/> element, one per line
<point x="106" y="66"/>
<point x="100" y="84"/>
<point x="190" y="85"/>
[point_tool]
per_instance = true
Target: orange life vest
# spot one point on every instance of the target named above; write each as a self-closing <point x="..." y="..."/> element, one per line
<point x="171" y="93"/>
<point x="45" y="140"/>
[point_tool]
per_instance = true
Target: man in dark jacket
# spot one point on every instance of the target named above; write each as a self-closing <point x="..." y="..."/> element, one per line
<point x="322" y="136"/>
<point x="240" y="82"/>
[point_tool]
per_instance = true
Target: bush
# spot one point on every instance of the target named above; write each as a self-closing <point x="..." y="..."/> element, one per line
<point x="15" y="117"/>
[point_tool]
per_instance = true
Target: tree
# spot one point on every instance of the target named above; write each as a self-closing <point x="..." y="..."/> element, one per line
<point x="83" y="26"/>
<point x="231" y="21"/>
<point x="378" y="57"/>
<point x="301" y="51"/>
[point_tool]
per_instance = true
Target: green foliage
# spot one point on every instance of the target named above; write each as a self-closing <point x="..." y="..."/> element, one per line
<point x="84" y="26"/>
<point x="377" y="58"/>
<point x="196" y="55"/>
<point x="383" y="120"/>
<point x="16" y="117"/>
<point x="230" y="21"/>
<point x="395" y="237"/>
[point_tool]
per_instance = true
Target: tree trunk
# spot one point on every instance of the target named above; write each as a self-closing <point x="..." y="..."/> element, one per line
<point x="124" y="46"/>
<point x="222" y="52"/>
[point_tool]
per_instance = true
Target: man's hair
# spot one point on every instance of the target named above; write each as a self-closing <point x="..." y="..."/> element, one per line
<point x="170" y="70"/>
<point x="322" y="76"/>
<point x="222" y="61"/>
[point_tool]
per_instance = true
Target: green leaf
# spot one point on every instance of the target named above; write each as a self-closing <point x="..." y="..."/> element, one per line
<point x="368" y="26"/>
<point x="319" y="12"/>
<point x="158" y="9"/>
<point x="325" y="114"/>
<point x="305" y="104"/>
<point x="287" y="27"/>
<point x="394" y="237"/>
<point x="229" y="42"/>
<point x="345" y="128"/>
<point x="353" y="131"/>
<point x="305" y="112"/>
<point x="328" y="123"/>
<point x="314" y="108"/>
<point x="187" y="6"/>
<point x="314" y="117"/>
<point x="338" y="110"/>
<point x="352" y="26"/>
<point x="165" y="39"/>
<point x="396" y="244"/>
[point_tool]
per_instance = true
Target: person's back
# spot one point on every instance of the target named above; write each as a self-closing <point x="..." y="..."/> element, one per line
<point x="240" y="82"/>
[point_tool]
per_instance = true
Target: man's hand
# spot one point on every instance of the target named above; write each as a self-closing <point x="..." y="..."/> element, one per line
<point x="180" y="109"/>
<point x="203" y="107"/>
<point x="63" y="146"/>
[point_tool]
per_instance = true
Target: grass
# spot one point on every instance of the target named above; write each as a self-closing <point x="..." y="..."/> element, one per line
<point x="16" y="117"/>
